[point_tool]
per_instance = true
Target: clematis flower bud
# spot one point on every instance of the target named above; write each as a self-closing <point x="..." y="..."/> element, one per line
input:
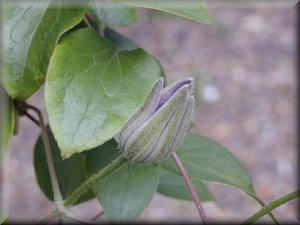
<point x="155" y="131"/>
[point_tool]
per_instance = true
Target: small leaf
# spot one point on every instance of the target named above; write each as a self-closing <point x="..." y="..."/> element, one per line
<point x="70" y="172"/>
<point x="173" y="185"/>
<point x="109" y="13"/>
<point x="30" y="32"/>
<point x="7" y="123"/>
<point x="126" y="192"/>
<point x="92" y="89"/>
<point x="206" y="160"/>
<point x="191" y="9"/>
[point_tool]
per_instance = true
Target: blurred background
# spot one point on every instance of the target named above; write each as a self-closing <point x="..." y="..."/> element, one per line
<point x="244" y="66"/>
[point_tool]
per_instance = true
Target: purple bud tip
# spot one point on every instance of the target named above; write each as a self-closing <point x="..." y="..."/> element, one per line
<point x="169" y="92"/>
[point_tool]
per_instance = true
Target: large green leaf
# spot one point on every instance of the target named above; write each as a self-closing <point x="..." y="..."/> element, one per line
<point x="109" y="13"/>
<point x="124" y="43"/>
<point x="70" y="172"/>
<point x="92" y="89"/>
<point x="7" y="122"/>
<point x="173" y="185"/>
<point x="191" y="9"/>
<point x="206" y="160"/>
<point x="30" y="31"/>
<point x="126" y="192"/>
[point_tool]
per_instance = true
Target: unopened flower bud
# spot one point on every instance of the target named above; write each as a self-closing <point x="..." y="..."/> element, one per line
<point x="155" y="131"/>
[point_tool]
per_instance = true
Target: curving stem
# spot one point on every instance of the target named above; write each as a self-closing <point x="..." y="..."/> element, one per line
<point x="273" y="205"/>
<point x="190" y="186"/>
<point x="87" y="184"/>
<point x="54" y="181"/>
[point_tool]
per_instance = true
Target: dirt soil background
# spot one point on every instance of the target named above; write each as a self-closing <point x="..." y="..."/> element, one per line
<point x="244" y="65"/>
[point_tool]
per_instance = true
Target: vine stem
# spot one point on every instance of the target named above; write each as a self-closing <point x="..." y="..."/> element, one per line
<point x="190" y="186"/>
<point x="61" y="204"/>
<point x="54" y="181"/>
<point x="268" y="208"/>
<point x="34" y="120"/>
<point x="256" y="198"/>
<point x="86" y="185"/>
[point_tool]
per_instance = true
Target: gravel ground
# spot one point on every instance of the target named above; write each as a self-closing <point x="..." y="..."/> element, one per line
<point x="244" y="65"/>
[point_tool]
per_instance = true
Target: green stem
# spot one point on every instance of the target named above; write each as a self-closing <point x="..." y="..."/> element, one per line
<point x="120" y="161"/>
<point x="54" y="181"/>
<point x="263" y="205"/>
<point x="268" y="208"/>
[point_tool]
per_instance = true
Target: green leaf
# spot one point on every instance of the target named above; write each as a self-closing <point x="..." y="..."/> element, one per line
<point x="206" y="160"/>
<point x="7" y="123"/>
<point x="109" y="13"/>
<point x="70" y="172"/>
<point x="126" y="192"/>
<point x="31" y="30"/>
<point x="173" y="185"/>
<point x="124" y="43"/>
<point x="92" y="89"/>
<point x="191" y="9"/>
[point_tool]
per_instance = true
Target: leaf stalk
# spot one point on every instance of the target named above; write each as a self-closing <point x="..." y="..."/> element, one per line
<point x="86" y="185"/>
<point x="54" y="181"/>
<point x="273" y="205"/>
